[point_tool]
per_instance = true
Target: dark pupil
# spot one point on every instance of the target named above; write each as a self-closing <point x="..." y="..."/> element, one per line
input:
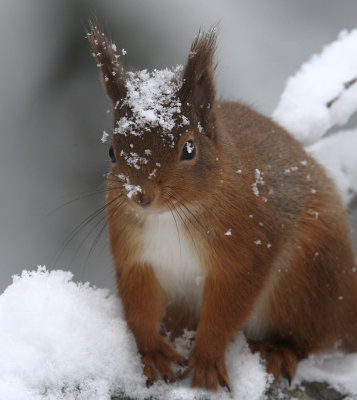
<point x="111" y="154"/>
<point x="188" y="151"/>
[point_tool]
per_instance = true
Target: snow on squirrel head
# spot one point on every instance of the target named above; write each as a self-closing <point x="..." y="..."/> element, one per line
<point x="164" y="141"/>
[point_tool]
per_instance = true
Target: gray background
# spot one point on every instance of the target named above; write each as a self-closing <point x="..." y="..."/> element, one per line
<point x="53" y="109"/>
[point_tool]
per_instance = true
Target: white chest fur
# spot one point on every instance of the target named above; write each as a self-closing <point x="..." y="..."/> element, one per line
<point x="173" y="256"/>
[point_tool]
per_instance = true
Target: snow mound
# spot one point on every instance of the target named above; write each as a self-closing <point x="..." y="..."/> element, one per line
<point x="62" y="340"/>
<point x="58" y="336"/>
<point x="323" y="93"/>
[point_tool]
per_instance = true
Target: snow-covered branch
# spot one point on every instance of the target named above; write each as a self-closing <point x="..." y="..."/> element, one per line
<point x="346" y="86"/>
<point x="320" y="96"/>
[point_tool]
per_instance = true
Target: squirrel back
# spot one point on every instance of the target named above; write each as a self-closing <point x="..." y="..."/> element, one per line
<point x="296" y="213"/>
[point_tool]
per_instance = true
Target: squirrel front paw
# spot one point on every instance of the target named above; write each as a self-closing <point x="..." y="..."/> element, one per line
<point x="158" y="359"/>
<point x="207" y="372"/>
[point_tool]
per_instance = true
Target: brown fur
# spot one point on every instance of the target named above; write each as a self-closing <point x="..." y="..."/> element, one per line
<point x="288" y="265"/>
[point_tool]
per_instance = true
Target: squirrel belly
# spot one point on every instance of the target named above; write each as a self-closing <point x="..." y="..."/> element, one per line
<point x="171" y="252"/>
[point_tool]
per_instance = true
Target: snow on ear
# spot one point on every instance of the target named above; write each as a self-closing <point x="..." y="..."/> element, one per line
<point x="198" y="82"/>
<point x="111" y="69"/>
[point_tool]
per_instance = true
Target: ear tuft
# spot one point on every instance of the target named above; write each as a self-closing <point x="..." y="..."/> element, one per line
<point x="111" y="69"/>
<point x="198" y="81"/>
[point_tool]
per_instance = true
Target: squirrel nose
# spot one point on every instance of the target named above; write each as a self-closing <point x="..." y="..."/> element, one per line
<point x="143" y="199"/>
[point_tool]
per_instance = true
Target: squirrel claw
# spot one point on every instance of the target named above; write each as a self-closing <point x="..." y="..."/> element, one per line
<point x="149" y="382"/>
<point x="183" y="374"/>
<point x="169" y="379"/>
<point x="225" y="385"/>
<point x="281" y="358"/>
<point x="183" y="362"/>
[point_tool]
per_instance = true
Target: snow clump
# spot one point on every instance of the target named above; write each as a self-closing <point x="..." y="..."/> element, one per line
<point x="131" y="189"/>
<point x="259" y="180"/>
<point x="153" y="102"/>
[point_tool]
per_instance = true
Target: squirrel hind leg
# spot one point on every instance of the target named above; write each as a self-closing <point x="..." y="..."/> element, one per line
<point x="281" y="357"/>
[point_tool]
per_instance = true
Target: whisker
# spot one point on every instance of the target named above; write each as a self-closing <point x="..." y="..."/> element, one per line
<point x="113" y="180"/>
<point x="188" y="215"/>
<point x="117" y="207"/>
<point x="96" y="240"/>
<point x="176" y="210"/>
<point x="186" y="226"/>
<point x="84" y="223"/>
<point x="89" y="233"/>
<point x="188" y="210"/>
<point x="84" y="192"/>
<point x="84" y="240"/>
<point x="85" y="195"/>
<point x="178" y="233"/>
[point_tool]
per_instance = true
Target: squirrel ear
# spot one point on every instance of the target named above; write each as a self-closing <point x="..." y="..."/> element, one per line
<point x="112" y="71"/>
<point x="198" y="82"/>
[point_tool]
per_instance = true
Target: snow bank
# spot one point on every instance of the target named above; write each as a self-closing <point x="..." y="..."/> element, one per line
<point x="57" y="336"/>
<point x="62" y="340"/>
<point x="323" y="93"/>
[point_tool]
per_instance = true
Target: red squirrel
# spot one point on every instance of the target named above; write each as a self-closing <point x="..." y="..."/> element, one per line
<point x="219" y="220"/>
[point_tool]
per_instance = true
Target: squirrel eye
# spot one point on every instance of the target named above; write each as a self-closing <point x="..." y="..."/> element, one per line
<point x="111" y="154"/>
<point x="188" y="151"/>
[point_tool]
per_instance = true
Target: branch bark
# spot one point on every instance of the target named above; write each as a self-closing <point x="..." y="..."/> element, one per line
<point x="346" y="86"/>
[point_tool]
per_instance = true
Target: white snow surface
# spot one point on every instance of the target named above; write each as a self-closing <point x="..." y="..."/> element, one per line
<point x="339" y="370"/>
<point x="62" y="340"/>
<point x="303" y="109"/>
<point x="57" y="336"/>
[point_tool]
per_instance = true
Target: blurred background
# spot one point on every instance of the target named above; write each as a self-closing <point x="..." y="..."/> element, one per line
<point x="53" y="109"/>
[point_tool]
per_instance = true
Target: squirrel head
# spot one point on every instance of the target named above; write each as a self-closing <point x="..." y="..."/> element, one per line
<point x="164" y="142"/>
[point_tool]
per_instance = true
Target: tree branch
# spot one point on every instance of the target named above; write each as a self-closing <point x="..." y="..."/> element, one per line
<point x="346" y="86"/>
